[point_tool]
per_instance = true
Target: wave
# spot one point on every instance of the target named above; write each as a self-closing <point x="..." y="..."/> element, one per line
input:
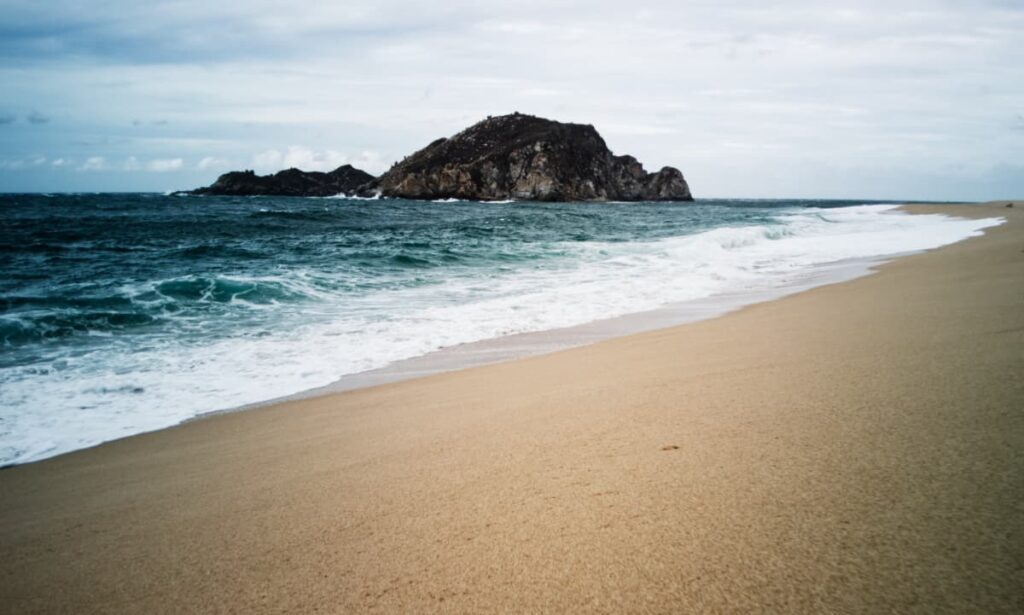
<point x="410" y="261"/>
<point x="226" y="290"/>
<point x="26" y="330"/>
<point x="63" y="302"/>
<point x="375" y="197"/>
<point x="28" y="319"/>
<point x="184" y="289"/>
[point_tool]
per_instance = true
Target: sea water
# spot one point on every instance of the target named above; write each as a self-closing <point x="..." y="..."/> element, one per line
<point x="123" y="313"/>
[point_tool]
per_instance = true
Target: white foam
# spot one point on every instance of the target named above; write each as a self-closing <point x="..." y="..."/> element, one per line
<point x="376" y="196"/>
<point x="118" y="391"/>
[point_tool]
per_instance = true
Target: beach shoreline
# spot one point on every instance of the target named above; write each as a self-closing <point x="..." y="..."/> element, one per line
<point x="328" y="336"/>
<point x="536" y="343"/>
<point x="853" y="447"/>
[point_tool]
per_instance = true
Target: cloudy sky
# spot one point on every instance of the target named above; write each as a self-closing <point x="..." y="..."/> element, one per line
<point x="900" y="99"/>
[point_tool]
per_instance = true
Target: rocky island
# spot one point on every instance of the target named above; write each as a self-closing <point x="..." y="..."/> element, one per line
<point x="527" y="158"/>
<point x="345" y="179"/>
<point x="509" y="157"/>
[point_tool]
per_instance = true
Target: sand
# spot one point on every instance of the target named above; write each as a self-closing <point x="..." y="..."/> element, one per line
<point x="854" y="448"/>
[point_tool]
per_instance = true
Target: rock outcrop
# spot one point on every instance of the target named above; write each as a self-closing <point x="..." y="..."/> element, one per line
<point x="291" y="182"/>
<point x="523" y="157"/>
<point x="518" y="157"/>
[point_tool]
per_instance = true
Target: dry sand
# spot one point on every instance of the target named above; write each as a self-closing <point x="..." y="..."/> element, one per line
<point x="854" y="448"/>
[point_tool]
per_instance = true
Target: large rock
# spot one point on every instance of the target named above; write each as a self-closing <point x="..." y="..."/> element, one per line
<point x="291" y="182"/>
<point x="523" y="157"/>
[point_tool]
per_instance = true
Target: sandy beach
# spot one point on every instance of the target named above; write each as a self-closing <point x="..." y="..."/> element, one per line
<point x="854" y="448"/>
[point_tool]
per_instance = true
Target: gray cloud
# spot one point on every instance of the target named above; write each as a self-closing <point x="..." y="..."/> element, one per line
<point x="7" y="118"/>
<point x="196" y="30"/>
<point x="747" y="98"/>
<point x="37" y="118"/>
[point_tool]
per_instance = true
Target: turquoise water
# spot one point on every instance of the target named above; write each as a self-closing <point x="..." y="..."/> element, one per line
<point x="200" y="304"/>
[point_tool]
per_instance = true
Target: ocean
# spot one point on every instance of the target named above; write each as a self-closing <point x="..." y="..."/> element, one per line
<point x="124" y="313"/>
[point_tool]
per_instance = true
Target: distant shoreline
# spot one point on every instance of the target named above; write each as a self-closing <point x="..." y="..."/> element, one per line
<point x="168" y="193"/>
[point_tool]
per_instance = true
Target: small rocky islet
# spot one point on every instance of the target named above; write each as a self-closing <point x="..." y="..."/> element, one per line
<point x="509" y="157"/>
<point x="290" y="182"/>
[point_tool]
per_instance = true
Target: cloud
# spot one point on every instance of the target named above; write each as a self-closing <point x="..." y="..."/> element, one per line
<point x="308" y="159"/>
<point x="37" y="118"/>
<point x="164" y="165"/>
<point x="311" y="160"/>
<point x="7" y="118"/>
<point x="194" y="30"/>
<point x="369" y="161"/>
<point x="267" y="160"/>
<point x="211" y="162"/>
<point x="299" y="157"/>
<point x="22" y="163"/>
<point x="739" y="94"/>
<point x="160" y="165"/>
<point x="94" y="163"/>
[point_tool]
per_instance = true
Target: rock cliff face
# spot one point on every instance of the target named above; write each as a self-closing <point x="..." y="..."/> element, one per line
<point x="291" y="182"/>
<point x="524" y="157"/>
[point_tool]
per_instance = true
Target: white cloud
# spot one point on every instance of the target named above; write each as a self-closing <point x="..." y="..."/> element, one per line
<point x="22" y="163"/>
<point x="94" y="163"/>
<point x="269" y="160"/>
<point x="309" y="159"/>
<point x="211" y="162"/>
<point x="369" y="161"/>
<point x="163" y="165"/>
<point x="130" y="164"/>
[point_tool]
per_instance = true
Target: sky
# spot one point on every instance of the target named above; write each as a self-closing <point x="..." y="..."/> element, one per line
<point x="897" y="99"/>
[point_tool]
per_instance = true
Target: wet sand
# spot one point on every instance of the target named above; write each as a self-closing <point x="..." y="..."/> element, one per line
<point x="854" y="448"/>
